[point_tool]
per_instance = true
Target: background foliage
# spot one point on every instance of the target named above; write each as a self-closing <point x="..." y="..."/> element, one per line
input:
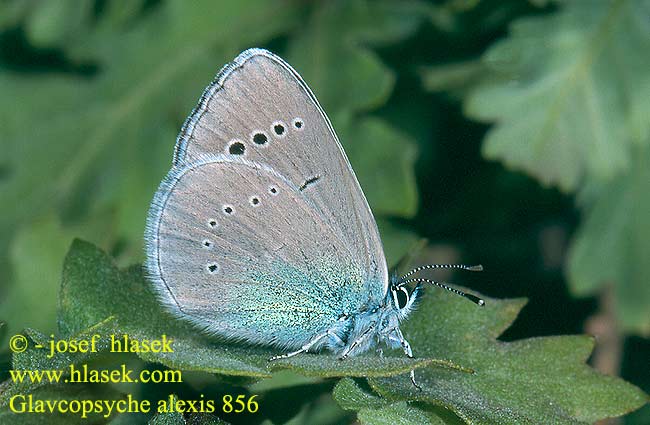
<point x="511" y="133"/>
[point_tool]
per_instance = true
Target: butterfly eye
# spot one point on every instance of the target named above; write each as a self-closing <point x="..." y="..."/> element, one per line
<point x="401" y="297"/>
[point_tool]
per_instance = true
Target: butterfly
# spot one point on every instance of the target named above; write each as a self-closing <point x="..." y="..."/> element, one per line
<point x="261" y="233"/>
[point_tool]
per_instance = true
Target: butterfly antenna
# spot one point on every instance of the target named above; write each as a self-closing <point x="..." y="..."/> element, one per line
<point x="476" y="268"/>
<point x="472" y="298"/>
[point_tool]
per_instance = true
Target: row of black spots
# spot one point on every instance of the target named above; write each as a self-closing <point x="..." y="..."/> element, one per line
<point x="254" y="201"/>
<point x="261" y="138"/>
<point x="211" y="267"/>
<point x="208" y="244"/>
<point x="229" y="210"/>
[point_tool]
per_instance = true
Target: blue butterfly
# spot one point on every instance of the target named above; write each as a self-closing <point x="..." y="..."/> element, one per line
<point x="261" y="233"/>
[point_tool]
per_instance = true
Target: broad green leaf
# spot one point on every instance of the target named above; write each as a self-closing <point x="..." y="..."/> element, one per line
<point x="52" y="22"/>
<point x="374" y="146"/>
<point x="612" y="246"/>
<point x="330" y="54"/>
<point x="549" y="374"/>
<point x="373" y="409"/>
<point x="36" y="259"/>
<point x="350" y="396"/>
<point x="399" y="413"/>
<point x="455" y="78"/>
<point x="281" y="380"/>
<point x="93" y="289"/>
<point x="536" y="380"/>
<point x="569" y="92"/>
<point x="13" y="11"/>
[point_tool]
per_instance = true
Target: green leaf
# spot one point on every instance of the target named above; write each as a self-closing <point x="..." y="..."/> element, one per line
<point x="93" y="289"/>
<point x="549" y="374"/>
<point x="397" y="413"/>
<point x="612" y="246"/>
<point x="350" y="396"/>
<point x="563" y="112"/>
<point x="36" y="257"/>
<point x="456" y="78"/>
<point x="536" y="380"/>
<point x="373" y="409"/>
<point x="373" y="147"/>
<point x="330" y="52"/>
<point x="52" y="22"/>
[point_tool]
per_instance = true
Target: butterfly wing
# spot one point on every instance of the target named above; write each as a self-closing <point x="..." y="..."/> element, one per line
<point x="240" y="250"/>
<point x="260" y="109"/>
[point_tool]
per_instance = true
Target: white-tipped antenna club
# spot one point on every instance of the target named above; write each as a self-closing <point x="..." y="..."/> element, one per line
<point x="473" y="298"/>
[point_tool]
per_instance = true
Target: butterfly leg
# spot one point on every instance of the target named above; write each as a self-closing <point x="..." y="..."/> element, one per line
<point x="397" y="335"/>
<point x="304" y="348"/>
<point x="356" y="342"/>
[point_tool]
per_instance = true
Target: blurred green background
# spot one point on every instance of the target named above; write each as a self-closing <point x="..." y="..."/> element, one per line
<point x="507" y="132"/>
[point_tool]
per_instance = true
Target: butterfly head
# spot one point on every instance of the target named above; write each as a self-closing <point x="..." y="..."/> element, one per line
<point x="399" y="300"/>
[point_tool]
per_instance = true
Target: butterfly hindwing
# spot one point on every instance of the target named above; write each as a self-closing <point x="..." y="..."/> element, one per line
<point x="241" y="251"/>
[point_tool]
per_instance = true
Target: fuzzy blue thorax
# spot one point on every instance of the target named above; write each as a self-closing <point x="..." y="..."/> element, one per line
<point x="379" y="324"/>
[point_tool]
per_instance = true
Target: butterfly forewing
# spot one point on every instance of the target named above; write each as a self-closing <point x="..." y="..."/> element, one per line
<point x="258" y="108"/>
